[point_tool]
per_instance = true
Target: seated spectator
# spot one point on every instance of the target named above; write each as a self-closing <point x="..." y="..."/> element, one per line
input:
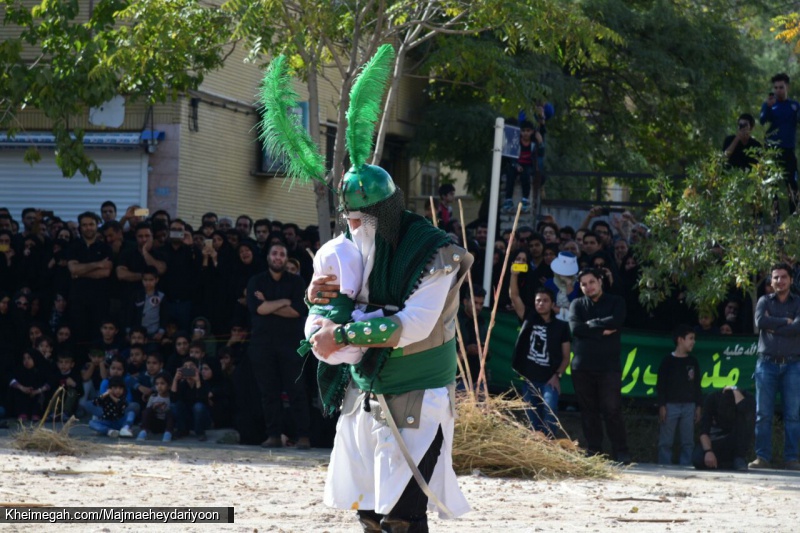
<point x="146" y="382"/>
<point x="726" y="430"/>
<point x="116" y="371"/>
<point x="93" y="374"/>
<point x="157" y="417"/>
<point x="191" y="401"/>
<point x="29" y="385"/>
<point x="180" y="353"/>
<point x="112" y="410"/>
<point x="68" y="377"/>
<point x="220" y="393"/>
<point x="108" y="344"/>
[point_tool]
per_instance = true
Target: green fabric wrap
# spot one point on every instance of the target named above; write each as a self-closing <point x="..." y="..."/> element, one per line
<point x="429" y="369"/>
<point x="339" y="310"/>
<point x="394" y="276"/>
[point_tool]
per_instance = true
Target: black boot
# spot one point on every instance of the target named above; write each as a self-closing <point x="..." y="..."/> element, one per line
<point x="398" y="525"/>
<point x="370" y="521"/>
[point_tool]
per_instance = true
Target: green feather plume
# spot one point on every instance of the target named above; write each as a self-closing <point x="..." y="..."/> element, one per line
<point x="282" y="134"/>
<point x="365" y="104"/>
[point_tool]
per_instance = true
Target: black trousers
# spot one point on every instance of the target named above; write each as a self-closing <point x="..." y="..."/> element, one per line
<point x="412" y="506"/>
<point x="600" y="400"/>
<point x="278" y="369"/>
<point x="735" y="444"/>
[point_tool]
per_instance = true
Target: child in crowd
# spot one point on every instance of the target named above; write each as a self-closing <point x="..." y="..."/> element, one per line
<point x="70" y="378"/>
<point x="154" y="366"/>
<point x="157" y="416"/>
<point x="137" y="335"/>
<point x="136" y="360"/>
<point x="197" y="352"/>
<point x="45" y="346"/>
<point x="64" y="338"/>
<point x="29" y="384"/>
<point x="93" y="374"/>
<point x="679" y="397"/>
<point x="112" y="409"/>
<point x="117" y="370"/>
<point x="705" y="324"/>
<point x="108" y="343"/>
<point x="191" y="396"/>
<point x="148" y="305"/>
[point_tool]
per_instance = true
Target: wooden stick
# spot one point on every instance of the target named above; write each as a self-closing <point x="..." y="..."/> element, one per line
<point x="24" y="504"/>
<point x="653" y="520"/>
<point x="471" y="291"/>
<point x="433" y="213"/>
<point x="482" y="376"/>
<point x="634" y="499"/>
<point x="468" y="374"/>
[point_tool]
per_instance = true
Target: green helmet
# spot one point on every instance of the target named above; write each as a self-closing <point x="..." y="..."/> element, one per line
<point x="364" y="187"/>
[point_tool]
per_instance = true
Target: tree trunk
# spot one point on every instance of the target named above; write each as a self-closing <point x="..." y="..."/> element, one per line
<point x="321" y="192"/>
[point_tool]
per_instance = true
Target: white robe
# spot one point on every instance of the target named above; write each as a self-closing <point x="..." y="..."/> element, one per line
<point x="367" y="469"/>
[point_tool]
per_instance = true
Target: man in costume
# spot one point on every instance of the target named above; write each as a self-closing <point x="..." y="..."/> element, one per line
<point x="392" y="455"/>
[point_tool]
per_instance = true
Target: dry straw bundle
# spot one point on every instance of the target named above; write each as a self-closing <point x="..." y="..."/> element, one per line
<point x="489" y="438"/>
<point x="50" y="440"/>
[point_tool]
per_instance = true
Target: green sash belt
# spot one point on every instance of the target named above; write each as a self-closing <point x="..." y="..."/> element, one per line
<point x="430" y="369"/>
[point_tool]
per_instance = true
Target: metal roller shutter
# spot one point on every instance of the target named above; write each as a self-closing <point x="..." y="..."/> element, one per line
<point x="124" y="182"/>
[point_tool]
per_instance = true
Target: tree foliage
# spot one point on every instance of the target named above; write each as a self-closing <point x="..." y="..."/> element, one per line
<point x="714" y="231"/>
<point x="63" y="60"/>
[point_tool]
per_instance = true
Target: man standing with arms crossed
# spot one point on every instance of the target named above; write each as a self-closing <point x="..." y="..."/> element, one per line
<point x="595" y="320"/>
<point x="778" y="368"/>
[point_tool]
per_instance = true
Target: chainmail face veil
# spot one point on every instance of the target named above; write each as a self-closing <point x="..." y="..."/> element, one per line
<point x="387" y="216"/>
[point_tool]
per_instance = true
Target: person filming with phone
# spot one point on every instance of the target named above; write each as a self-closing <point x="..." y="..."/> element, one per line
<point x="738" y="148"/>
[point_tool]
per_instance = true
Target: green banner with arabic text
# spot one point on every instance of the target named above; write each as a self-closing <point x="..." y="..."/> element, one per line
<point x="724" y="360"/>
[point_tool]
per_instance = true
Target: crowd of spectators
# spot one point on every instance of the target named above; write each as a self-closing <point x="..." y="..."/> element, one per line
<point x="160" y="307"/>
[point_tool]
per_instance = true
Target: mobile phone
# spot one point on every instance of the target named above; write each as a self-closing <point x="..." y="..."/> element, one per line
<point x="4" y="247"/>
<point x="208" y="243"/>
<point x="519" y="267"/>
<point x="176" y="234"/>
<point x="141" y="212"/>
<point x="605" y="211"/>
<point x="187" y="372"/>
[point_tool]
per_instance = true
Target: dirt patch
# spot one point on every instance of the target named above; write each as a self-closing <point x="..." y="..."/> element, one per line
<point x="282" y="491"/>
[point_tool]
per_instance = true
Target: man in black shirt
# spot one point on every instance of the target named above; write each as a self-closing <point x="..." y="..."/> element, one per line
<point x="291" y="234"/>
<point x="277" y="316"/>
<point x="179" y="283"/>
<point x="541" y="356"/>
<point x="736" y="147"/>
<point x="595" y="320"/>
<point x="89" y="263"/>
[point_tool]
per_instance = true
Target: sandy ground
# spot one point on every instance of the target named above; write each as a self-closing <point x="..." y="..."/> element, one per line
<point x="282" y="491"/>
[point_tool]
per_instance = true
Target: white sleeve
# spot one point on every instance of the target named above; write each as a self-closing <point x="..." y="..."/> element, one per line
<point x="423" y="307"/>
